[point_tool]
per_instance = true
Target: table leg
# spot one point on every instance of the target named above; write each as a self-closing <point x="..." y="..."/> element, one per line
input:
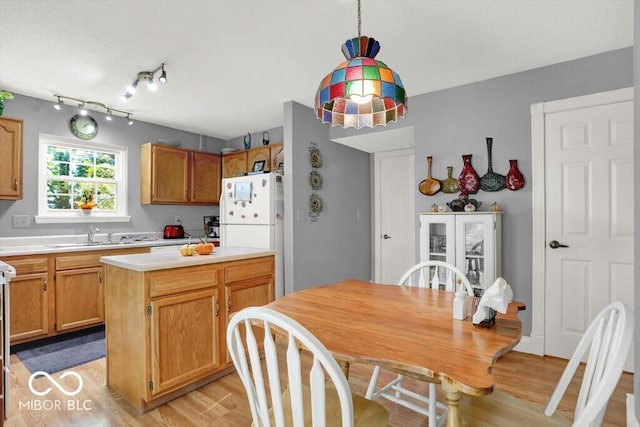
<point x="452" y="397"/>
<point x="345" y="367"/>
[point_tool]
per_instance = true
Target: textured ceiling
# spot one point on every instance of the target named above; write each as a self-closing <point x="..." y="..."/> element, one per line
<point x="232" y="64"/>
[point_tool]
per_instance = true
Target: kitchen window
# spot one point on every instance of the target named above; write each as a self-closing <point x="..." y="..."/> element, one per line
<point x="72" y="173"/>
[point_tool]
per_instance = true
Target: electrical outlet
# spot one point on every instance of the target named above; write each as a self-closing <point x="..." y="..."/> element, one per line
<point x="20" y="221"/>
<point x="177" y="219"/>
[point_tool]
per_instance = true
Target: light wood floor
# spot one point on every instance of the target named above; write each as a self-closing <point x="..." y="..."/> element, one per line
<point x="223" y="403"/>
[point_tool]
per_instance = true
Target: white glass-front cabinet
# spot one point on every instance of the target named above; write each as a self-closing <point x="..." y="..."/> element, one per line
<point x="470" y="241"/>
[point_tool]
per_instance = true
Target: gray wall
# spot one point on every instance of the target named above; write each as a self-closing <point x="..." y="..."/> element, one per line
<point x="40" y="117"/>
<point x="453" y="122"/>
<point x="338" y="244"/>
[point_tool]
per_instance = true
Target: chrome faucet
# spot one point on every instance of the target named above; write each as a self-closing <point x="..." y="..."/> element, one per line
<point x="92" y="232"/>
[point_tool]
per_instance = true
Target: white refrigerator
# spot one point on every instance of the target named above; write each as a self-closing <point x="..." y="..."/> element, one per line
<point x="252" y="215"/>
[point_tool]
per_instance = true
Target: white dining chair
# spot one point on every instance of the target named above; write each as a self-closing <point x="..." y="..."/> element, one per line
<point x="318" y="396"/>
<point x="604" y="346"/>
<point x="425" y="274"/>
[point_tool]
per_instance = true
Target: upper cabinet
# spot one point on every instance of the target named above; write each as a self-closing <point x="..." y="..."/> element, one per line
<point x="11" y="153"/>
<point x="241" y="162"/>
<point x="170" y="175"/>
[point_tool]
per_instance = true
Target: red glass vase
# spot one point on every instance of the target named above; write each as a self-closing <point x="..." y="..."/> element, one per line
<point x="515" y="179"/>
<point x="468" y="181"/>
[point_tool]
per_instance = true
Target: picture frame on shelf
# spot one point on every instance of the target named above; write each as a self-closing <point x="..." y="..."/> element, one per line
<point x="258" y="166"/>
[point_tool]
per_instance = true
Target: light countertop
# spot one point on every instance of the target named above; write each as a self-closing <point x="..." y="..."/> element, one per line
<point x="167" y="259"/>
<point x="72" y="243"/>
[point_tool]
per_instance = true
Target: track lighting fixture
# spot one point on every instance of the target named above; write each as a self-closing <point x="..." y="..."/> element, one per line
<point x="148" y="77"/>
<point x="94" y="105"/>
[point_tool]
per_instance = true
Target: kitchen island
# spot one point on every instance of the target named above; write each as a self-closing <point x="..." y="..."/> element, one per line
<point x="166" y="317"/>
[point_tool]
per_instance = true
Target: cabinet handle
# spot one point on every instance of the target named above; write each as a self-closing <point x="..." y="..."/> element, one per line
<point x="44" y="285"/>
<point x="217" y="307"/>
<point x="193" y="194"/>
<point x="228" y="304"/>
<point x="15" y="184"/>
<point x="100" y="277"/>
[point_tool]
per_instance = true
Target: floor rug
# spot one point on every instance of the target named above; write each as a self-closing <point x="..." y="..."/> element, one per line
<point x="64" y="354"/>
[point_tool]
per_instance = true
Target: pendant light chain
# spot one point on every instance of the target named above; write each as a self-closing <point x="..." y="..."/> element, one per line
<point x="359" y="22"/>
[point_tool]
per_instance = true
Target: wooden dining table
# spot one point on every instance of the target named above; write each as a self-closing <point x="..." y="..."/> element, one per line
<point x="407" y="329"/>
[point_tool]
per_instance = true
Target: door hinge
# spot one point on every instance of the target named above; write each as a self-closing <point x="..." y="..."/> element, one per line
<point x="149" y="310"/>
<point x="151" y="385"/>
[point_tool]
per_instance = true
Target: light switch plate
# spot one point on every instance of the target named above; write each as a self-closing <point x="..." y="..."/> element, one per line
<point x="20" y="221"/>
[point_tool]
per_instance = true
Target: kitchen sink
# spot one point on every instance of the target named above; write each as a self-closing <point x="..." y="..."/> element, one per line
<point x="84" y="244"/>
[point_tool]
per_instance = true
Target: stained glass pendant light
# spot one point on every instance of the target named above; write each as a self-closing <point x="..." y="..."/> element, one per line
<point x="361" y="91"/>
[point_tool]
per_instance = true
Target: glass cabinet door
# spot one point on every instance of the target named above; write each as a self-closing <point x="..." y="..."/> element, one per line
<point x="437" y="238"/>
<point x="473" y="235"/>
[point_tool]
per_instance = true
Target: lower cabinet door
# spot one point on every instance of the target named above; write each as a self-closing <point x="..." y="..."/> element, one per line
<point x="79" y="298"/>
<point x="29" y="313"/>
<point x="255" y="292"/>
<point x="184" y="339"/>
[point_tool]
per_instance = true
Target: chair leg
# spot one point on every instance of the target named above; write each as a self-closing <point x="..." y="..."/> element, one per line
<point x="373" y="382"/>
<point x="432" y="405"/>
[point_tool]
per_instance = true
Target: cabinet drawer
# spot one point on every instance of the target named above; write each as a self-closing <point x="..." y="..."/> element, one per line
<point x="166" y="282"/>
<point x="249" y="269"/>
<point x="28" y="265"/>
<point x="78" y="261"/>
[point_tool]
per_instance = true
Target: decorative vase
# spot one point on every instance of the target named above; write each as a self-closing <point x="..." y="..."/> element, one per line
<point x="492" y="181"/>
<point x="469" y="181"/>
<point x="1" y="106"/>
<point x="247" y="141"/>
<point x="515" y="179"/>
<point x="450" y="185"/>
<point x="265" y="138"/>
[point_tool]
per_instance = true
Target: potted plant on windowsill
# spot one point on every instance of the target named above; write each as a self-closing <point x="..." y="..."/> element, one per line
<point x="87" y="204"/>
<point x="4" y="95"/>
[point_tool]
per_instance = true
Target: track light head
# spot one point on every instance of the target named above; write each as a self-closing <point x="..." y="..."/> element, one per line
<point x="109" y="116"/>
<point x="163" y="75"/>
<point x="128" y="119"/>
<point x="59" y="104"/>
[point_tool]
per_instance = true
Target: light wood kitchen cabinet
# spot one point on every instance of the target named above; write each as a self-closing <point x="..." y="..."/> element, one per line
<point x="185" y="342"/>
<point x="277" y="155"/>
<point x="11" y="155"/>
<point x="166" y="329"/>
<point x="234" y="164"/>
<point x="248" y="283"/>
<point x="57" y="293"/>
<point x="241" y="162"/>
<point x="29" y="298"/>
<point x="205" y="178"/>
<point x="170" y="175"/>
<point x="79" y="289"/>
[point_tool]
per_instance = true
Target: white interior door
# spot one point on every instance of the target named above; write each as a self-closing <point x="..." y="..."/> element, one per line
<point x="395" y="216"/>
<point x="589" y="209"/>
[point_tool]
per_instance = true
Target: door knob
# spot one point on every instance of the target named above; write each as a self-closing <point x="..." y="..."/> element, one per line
<point x="554" y="244"/>
<point x="386" y="236"/>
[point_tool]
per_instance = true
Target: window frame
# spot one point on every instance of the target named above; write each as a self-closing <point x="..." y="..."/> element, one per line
<point x="47" y="216"/>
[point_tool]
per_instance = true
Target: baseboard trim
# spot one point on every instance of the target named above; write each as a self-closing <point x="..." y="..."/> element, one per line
<point x="632" y="421"/>
<point x="531" y="345"/>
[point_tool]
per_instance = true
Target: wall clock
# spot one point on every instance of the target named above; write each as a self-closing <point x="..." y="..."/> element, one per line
<point x="83" y="127"/>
